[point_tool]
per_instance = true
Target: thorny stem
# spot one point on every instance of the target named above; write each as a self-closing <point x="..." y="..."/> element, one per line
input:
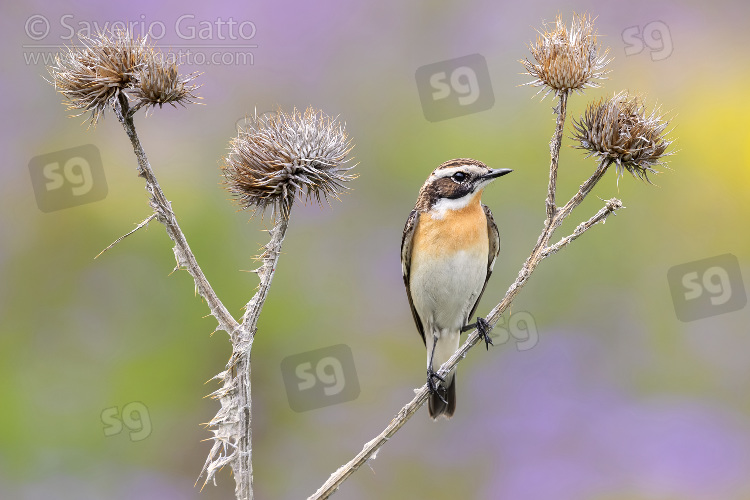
<point x="243" y="466"/>
<point x="540" y="251"/>
<point x="237" y="377"/>
<point x="163" y="210"/>
<point x="270" y="257"/>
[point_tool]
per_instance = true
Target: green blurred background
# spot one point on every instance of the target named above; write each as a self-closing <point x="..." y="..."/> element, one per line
<point x="618" y="399"/>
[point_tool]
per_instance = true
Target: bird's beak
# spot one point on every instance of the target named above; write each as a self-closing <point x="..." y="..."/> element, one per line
<point x="496" y="172"/>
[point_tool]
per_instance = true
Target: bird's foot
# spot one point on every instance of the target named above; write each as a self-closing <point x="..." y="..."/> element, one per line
<point x="435" y="387"/>
<point x="483" y="328"/>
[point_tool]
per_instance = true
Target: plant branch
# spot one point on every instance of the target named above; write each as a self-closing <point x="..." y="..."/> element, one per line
<point x="370" y="449"/>
<point x="163" y="211"/>
<point x="144" y="222"/>
<point x="270" y="257"/>
<point x="583" y="191"/>
<point x="601" y="216"/>
<point x="232" y="425"/>
<point x="554" y="149"/>
<point x="242" y="467"/>
<point x="232" y="422"/>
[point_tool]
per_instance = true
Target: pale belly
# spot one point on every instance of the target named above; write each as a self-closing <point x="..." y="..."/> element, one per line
<point x="445" y="288"/>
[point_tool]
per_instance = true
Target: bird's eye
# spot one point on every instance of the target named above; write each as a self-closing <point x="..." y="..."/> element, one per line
<point x="459" y="177"/>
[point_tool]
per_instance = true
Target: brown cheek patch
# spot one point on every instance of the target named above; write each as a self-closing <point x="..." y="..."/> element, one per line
<point x="445" y="187"/>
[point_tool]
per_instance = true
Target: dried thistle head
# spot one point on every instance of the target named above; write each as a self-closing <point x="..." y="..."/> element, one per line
<point x="158" y="82"/>
<point x="618" y="130"/>
<point x="279" y="156"/>
<point x="92" y="76"/>
<point x="566" y="60"/>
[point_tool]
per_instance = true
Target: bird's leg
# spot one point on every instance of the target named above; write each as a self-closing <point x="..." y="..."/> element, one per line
<point x="431" y="375"/>
<point x="483" y="328"/>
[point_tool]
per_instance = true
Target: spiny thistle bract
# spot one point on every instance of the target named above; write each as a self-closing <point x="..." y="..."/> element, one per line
<point x="618" y="130"/>
<point x="280" y="156"/>
<point x="566" y="60"/>
<point x="158" y="82"/>
<point x="91" y="76"/>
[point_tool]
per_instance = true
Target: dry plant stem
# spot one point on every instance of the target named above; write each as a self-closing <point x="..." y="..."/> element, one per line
<point x="164" y="214"/>
<point x="540" y="252"/>
<point x="241" y="335"/>
<point x="609" y="208"/>
<point x="118" y="240"/>
<point x="242" y="467"/>
<point x="338" y="477"/>
<point x="270" y="257"/>
<point x="232" y="425"/>
<point x="555" y="153"/>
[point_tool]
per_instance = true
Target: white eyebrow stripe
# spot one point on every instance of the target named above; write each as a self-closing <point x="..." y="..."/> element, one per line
<point x="447" y="172"/>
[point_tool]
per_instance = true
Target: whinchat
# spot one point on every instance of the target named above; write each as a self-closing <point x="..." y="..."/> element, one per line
<point x="448" y="250"/>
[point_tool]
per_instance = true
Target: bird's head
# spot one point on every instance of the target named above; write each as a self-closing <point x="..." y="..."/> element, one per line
<point x="454" y="184"/>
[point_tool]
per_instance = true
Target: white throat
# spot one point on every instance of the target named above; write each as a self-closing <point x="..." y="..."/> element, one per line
<point x="443" y="205"/>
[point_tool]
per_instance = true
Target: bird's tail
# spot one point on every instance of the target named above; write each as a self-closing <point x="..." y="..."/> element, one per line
<point x="437" y="406"/>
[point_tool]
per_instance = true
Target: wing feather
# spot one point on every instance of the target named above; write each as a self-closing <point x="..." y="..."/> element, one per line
<point x="406" y="245"/>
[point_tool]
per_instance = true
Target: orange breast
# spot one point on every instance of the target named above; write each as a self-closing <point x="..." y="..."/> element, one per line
<point x="463" y="229"/>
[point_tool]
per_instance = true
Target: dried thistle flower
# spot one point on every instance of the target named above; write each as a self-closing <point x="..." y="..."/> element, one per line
<point x="92" y="76"/>
<point x="282" y="155"/>
<point x="158" y="82"/>
<point x="618" y="130"/>
<point x="566" y="60"/>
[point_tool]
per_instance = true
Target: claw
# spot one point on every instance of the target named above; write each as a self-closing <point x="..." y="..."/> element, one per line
<point x="483" y="329"/>
<point x="436" y="388"/>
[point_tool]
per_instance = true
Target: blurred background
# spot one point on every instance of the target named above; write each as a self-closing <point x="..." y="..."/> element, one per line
<point x="622" y="372"/>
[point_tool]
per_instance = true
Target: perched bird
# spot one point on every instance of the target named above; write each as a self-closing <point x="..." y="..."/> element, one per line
<point x="448" y="250"/>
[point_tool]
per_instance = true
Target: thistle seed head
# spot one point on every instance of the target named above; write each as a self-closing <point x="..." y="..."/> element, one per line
<point x="280" y="156"/>
<point x="158" y="82"/>
<point x="566" y="60"/>
<point x="618" y="130"/>
<point x="92" y="76"/>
